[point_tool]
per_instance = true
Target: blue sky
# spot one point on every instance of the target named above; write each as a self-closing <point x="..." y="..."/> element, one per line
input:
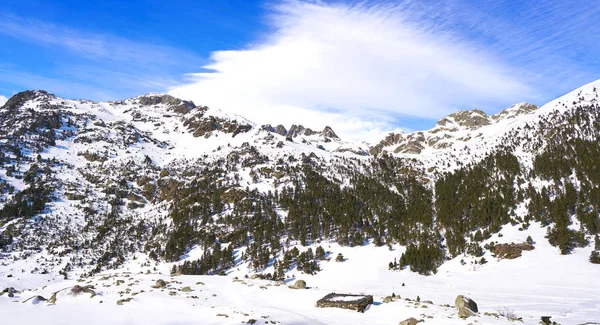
<point x="363" y="67"/>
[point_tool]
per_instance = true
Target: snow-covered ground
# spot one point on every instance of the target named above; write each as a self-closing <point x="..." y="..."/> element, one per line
<point x="540" y="283"/>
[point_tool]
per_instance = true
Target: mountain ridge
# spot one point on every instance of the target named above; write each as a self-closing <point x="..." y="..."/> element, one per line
<point x="89" y="186"/>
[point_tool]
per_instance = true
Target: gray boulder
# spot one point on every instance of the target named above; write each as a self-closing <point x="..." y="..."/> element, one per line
<point x="300" y="284"/>
<point x="410" y="321"/>
<point x="159" y="284"/>
<point x="466" y="306"/>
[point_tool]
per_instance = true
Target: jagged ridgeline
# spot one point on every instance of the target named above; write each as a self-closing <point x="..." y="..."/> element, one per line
<point x="93" y="185"/>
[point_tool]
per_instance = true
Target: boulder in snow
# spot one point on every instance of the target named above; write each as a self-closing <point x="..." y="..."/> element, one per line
<point x="300" y="284"/>
<point x="466" y="306"/>
<point x="410" y="321"/>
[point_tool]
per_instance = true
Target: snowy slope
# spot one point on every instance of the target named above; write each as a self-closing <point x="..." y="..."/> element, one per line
<point x="528" y="288"/>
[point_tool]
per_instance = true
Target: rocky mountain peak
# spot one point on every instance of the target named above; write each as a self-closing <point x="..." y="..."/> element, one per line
<point x="328" y="132"/>
<point x="281" y="130"/>
<point x="298" y="130"/>
<point x="178" y="105"/>
<point x="514" y="111"/>
<point x="472" y="119"/>
<point x="20" y="98"/>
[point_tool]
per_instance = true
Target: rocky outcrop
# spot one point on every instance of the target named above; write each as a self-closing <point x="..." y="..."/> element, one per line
<point x="413" y="145"/>
<point x="472" y="119"/>
<point x="466" y="306"/>
<point x="122" y="301"/>
<point x="390" y="140"/>
<point x="328" y="132"/>
<point x="10" y="291"/>
<point x="298" y="130"/>
<point x="280" y="129"/>
<point x="21" y="98"/>
<point x="515" y="111"/>
<point x="295" y="130"/>
<point x="201" y="126"/>
<point x="77" y="290"/>
<point x="268" y="128"/>
<point x="177" y="105"/>
<point x="410" y="321"/>
<point x="308" y="132"/>
<point x="511" y="251"/>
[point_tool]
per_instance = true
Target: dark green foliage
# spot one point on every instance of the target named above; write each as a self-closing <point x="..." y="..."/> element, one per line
<point x="595" y="257"/>
<point x="214" y="261"/>
<point x="424" y="258"/>
<point x="474" y="197"/>
<point x="32" y="200"/>
<point x="320" y="253"/>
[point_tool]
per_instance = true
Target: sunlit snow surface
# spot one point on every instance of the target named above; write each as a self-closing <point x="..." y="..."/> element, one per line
<point x="540" y="283"/>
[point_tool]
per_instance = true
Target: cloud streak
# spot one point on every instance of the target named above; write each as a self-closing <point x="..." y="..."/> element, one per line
<point x="353" y="66"/>
<point x="3" y="100"/>
<point x="92" y="45"/>
<point x="94" y="65"/>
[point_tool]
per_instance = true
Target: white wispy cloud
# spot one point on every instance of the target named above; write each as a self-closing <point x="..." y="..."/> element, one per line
<point x="92" y="45"/>
<point x="3" y="100"/>
<point x="93" y="65"/>
<point x="358" y="68"/>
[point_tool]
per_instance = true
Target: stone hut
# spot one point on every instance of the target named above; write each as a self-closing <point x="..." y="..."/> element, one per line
<point x="347" y="301"/>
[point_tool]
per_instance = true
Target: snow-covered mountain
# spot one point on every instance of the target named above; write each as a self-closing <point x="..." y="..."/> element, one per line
<point x="158" y="184"/>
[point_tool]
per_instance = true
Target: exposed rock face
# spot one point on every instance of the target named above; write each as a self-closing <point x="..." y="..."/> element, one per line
<point x="77" y="290"/>
<point x="300" y="284"/>
<point x="413" y="145"/>
<point x="466" y="306"/>
<point x="353" y="302"/>
<point x="514" y="111"/>
<point x="20" y="98"/>
<point x="309" y="132"/>
<point x="202" y="126"/>
<point x="511" y="251"/>
<point x="9" y="290"/>
<point x="472" y="119"/>
<point x="295" y="131"/>
<point x="390" y="140"/>
<point x="280" y="129"/>
<point x="328" y="132"/>
<point x="356" y="152"/>
<point x="268" y="128"/>
<point x="178" y="105"/>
